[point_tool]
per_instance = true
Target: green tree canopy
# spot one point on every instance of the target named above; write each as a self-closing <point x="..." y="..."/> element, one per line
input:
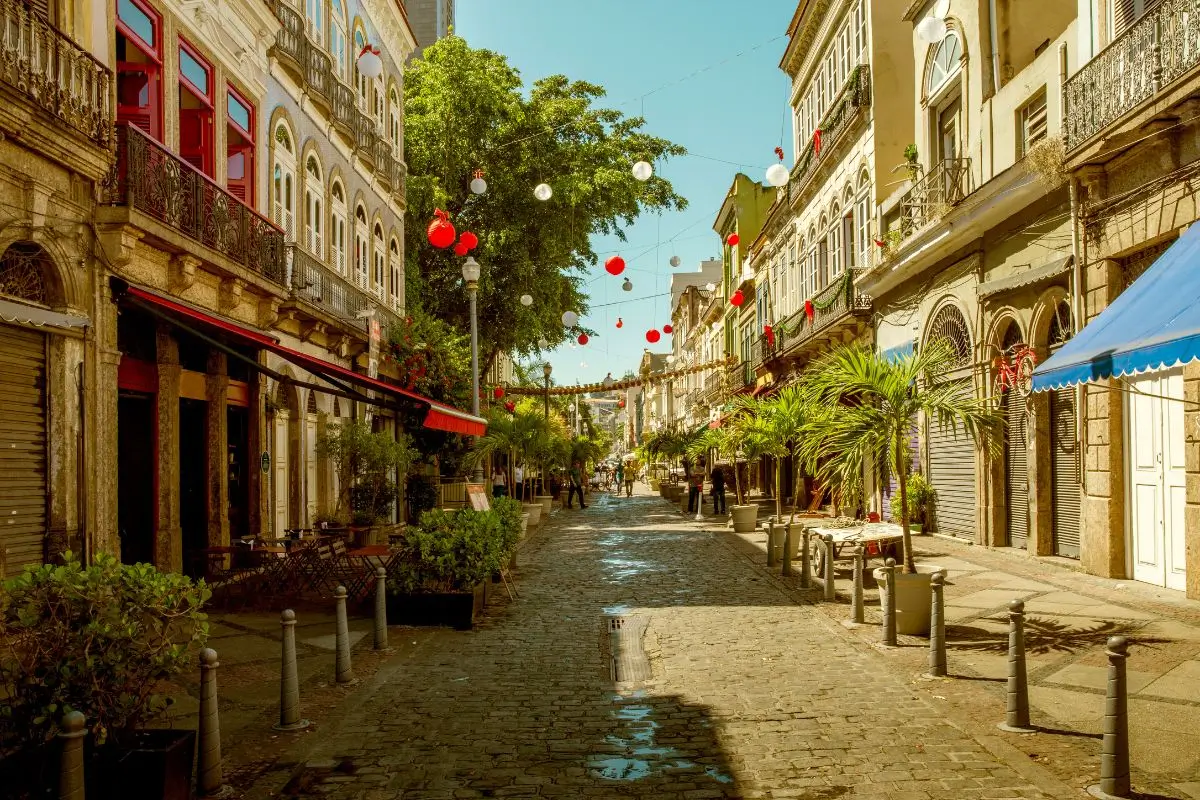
<point x="466" y="110"/>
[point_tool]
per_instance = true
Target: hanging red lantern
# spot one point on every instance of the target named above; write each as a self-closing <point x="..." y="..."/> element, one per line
<point x="653" y="336"/>
<point x="510" y="406"/>
<point x="583" y="338"/>
<point x="621" y="403"/>
<point x="440" y="231"/>
<point x="620" y="323"/>
<point x="498" y="392"/>
<point x="732" y="240"/>
<point x="809" y="311"/>
<point x="460" y="249"/>
<point x="668" y="329"/>
<point x="615" y="265"/>
<point x="817" y="142"/>
<point x="468" y="240"/>
<point x="737" y="298"/>
<point x="769" y="333"/>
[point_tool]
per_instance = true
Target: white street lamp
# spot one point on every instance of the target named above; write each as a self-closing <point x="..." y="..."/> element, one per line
<point x="470" y="273"/>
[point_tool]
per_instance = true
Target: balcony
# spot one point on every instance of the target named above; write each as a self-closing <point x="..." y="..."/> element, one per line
<point x="935" y="194"/>
<point x="43" y="64"/>
<point x="765" y="350"/>
<point x="315" y="283"/>
<point x="714" y="387"/>
<point x="835" y="309"/>
<point x="738" y="377"/>
<point x="160" y="184"/>
<point x="1149" y="56"/>
<point x="313" y="66"/>
<point x="846" y="109"/>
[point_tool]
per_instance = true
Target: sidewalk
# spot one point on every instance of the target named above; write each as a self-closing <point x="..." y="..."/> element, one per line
<point x="1069" y="616"/>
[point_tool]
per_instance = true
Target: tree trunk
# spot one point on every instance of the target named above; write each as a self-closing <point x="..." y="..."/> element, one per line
<point x="778" y="489"/>
<point x="796" y="491"/>
<point x="902" y="472"/>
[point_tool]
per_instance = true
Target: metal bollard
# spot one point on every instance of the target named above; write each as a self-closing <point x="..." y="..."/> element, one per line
<point x="887" y="599"/>
<point x="857" y="615"/>
<point x="787" y="549"/>
<point x="70" y="774"/>
<point x="770" y="543"/>
<point x="830" y="585"/>
<point x="381" y="631"/>
<point x="1114" y="754"/>
<point x="937" y="626"/>
<point x="289" y="682"/>
<point x="343" y="672"/>
<point x="211" y="779"/>
<point x="805" y="558"/>
<point x="1016" y="716"/>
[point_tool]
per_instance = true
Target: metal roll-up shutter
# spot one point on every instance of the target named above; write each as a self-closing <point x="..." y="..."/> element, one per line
<point x="952" y="473"/>
<point x="893" y="483"/>
<point x="1016" y="471"/>
<point x="1064" y="474"/>
<point x="22" y="448"/>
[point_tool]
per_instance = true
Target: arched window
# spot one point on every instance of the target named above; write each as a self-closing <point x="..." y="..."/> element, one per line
<point x="337" y="227"/>
<point x="314" y="208"/>
<point x="863" y="219"/>
<point x="813" y="271"/>
<point x="1060" y="326"/>
<point x="397" y="284"/>
<point x="338" y="48"/>
<point x="394" y="111"/>
<point x="833" y="246"/>
<point x="23" y="272"/>
<point x="361" y="257"/>
<point x="362" y="82"/>
<point x="377" y="278"/>
<point x="795" y="254"/>
<point x="283" y="206"/>
<point x="313" y="13"/>
<point x="945" y="63"/>
<point x="377" y="103"/>
<point x="950" y="325"/>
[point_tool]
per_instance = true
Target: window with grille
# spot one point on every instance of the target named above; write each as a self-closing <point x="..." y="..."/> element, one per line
<point x="1126" y="12"/>
<point x="1031" y="123"/>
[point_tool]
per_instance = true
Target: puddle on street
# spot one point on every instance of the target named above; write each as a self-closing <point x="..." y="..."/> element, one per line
<point x="621" y="569"/>
<point x="617" y="610"/>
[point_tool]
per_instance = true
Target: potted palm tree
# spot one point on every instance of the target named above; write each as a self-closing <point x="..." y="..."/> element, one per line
<point x="518" y="434"/>
<point x="775" y="427"/>
<point x="877" y="400"/>
<point x="370" y="468"/>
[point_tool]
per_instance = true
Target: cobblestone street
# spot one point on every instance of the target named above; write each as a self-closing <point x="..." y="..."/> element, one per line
<point x="753" y="693"/>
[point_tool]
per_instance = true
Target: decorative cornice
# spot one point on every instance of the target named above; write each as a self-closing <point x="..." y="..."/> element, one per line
<point x="399" y="41"/>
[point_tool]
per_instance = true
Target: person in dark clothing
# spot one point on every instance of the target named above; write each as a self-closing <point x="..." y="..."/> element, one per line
<point x="718" y="490"/>
<point x="576" y="486"/>
<point x="695" y="489"/>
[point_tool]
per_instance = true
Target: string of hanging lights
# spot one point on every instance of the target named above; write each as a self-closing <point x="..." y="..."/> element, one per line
<point x="604" y="386"/>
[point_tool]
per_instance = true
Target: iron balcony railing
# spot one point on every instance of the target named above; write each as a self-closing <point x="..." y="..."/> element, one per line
<point x="766" y="349"/>
<point x="61" y="78"/>
<point x="836" y="302"/>
<point x="315" y="283"/>
<point x="853" y="98"/>
<point x="934" y="194"/>
<point x="311" y="62"/>
<point x="738" y="376"/>
<point x="714" y="386"/>
<point x="1150" y="54"/>
<point x="162" y="185"/>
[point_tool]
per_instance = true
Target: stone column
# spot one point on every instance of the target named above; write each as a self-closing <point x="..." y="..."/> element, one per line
<point x="168" y="540"/>
<point x="100" y="449"/>
<point x="1191" y="457"/>
<point x="1041" y="495"/>
<point x="63" y="472"/>
<point x="216" y="388"/>
<point x="258" y="484"/>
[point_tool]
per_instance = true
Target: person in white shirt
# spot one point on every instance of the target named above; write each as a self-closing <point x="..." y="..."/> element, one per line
<point x="519" y="482"/>
<point x="499" y="489"/>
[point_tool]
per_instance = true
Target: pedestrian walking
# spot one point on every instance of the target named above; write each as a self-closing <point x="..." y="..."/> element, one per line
<point x="519" y="482"/>
<point x="696" y="489"/>
<point x="499" y="487"/>
<point x="618" y="478"/>
<point x="576" y="486"/>
<point x="718" y="490"/>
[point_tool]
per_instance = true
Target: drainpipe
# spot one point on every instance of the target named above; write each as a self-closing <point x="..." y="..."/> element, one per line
<point x="1076" y="271"/>
<point x="994" y="35"/>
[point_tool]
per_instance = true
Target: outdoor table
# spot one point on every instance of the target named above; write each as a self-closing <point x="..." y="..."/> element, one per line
<point x="376" y="555"/>
<point x="873" y="536"/>
<point x="214" y="559"/>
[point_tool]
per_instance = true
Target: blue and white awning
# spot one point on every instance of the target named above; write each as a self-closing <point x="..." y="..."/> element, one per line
<point x="1154" y="324"/>
<point x="894" y="354"/>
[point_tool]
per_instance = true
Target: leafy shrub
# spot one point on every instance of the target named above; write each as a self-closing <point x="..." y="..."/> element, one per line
<point x="422" y="495"/>
<point x="95" y="639"/>
<point x="921" y="496"/>
<point x="453" y="551"/>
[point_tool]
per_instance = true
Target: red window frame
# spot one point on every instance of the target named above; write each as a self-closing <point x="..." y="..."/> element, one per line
<point x="156" y="52"/>
<point x="246" y="184"/>
<point x="196" y="134"/>
<point x="204" y="97"/>
<point x="153" y="70"/>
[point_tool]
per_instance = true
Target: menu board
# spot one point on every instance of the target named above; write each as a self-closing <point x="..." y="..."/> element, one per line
<point x="477" y="496"/>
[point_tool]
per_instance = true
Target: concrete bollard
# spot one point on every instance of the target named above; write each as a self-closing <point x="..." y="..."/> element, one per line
<point x="381" y="631"/>
<point x="937" y="626"/>
<point x="1016" y="716"/>
<point x="770" y="543"/>
<point x="787" y="549"/>
<point x="70" y="773"/>
<point x="1114" y="754"/>
<point x="887" y="598"/>
<point x="289" y="681"/>
<point x="805" y="558"/>
<point x="830" y="585"/>
<point x="343" y="672"/>
<point x="211" y="778"/>
<point x="857" y="614"/>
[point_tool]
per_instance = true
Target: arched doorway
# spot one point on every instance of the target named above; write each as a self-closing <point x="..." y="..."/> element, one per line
<point x="951" y="449"/>
<point x="1065" y="487"/>
<point x="1016" y="451"/>
<point x="285" y="444"/>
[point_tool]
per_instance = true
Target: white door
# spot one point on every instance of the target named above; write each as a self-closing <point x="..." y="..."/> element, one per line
<point x="1157" y="478"/>
<point x="310" y="484"/>
<point x="281" y="473"/>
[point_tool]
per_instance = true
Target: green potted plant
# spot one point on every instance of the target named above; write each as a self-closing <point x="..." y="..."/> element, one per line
<point x="370" y="467"/>
<point x="101" y="640"/>
<point x="921" y="497"/>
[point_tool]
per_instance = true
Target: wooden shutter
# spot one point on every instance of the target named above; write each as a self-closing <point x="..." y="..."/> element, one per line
<point x="23" y="490"/>
<point x="41" y="8"/>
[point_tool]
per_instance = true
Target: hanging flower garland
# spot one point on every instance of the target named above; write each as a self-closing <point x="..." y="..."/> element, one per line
<point x="618" y="385"/>
<point x="835" y="292"/>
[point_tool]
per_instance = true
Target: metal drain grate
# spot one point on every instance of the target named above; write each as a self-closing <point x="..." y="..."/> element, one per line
<point x="628" y="659"/>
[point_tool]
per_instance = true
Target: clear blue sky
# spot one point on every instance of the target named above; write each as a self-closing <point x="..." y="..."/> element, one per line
<point x="735" y="111"/>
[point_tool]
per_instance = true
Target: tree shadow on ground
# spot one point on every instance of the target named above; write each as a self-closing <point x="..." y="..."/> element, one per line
<point x="1046" y="635"/>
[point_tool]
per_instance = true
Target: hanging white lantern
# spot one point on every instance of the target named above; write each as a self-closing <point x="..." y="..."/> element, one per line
<point x="543" y="192"/>
<point x="671" y="359"/>
<point x="370" y="65"/>
<point x="642" y="170"/>
<point x="931" y="30"/>
<point x="478" y="186"/>
<point x="710" y="287"/>
<point x="570" y="319"/>
<point x="676" y="261"/>
<point x="777" y="175"/>
<point x="543" y="344"/>
<point x="627" y="285"/>
<point x="526" y="299"/>
<point x="941" y="9"/>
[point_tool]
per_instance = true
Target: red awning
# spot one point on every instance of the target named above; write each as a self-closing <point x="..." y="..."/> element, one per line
<point x="439" y="417"/>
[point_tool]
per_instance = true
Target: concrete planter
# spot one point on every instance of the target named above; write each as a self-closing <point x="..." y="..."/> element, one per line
<point x="451" y="609"/>
<point x="745" y="518"/>
<point x="914" y="598"/>
<point x="534" y="512"/>
<point x="547" y="501"/>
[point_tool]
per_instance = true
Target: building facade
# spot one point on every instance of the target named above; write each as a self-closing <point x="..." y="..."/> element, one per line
<point x="430" y="20"/>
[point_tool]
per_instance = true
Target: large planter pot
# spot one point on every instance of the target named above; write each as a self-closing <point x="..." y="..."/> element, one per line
<point x="150" y="765"/>
<point x="654" y="484"/>
<point x="524" y="525"/>
<point x="452" y="609"/>
<point x="745" y="518"/>
<point x="913" y="598"/>
<point x="547" y="501"/>
<point x="534" y="512"/>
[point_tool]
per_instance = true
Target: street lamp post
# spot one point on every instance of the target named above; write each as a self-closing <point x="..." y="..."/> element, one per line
<point x="546" y="370"/>
<point x="470" y="273"/>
